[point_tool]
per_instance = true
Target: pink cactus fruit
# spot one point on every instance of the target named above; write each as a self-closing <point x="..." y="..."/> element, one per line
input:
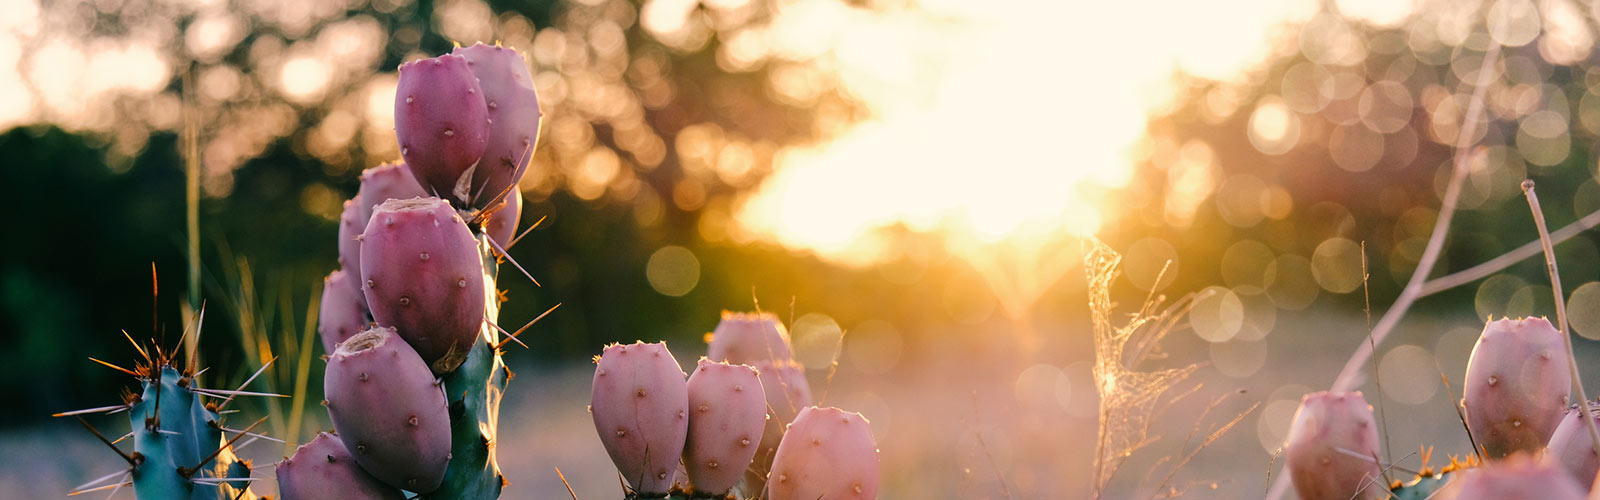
<point x="343" y="312"/>
<point x="727" y="414"/>
<point x="324" y="470"/>
<point x="784" y="383"/>
<point x="513" y="115"/>
<point x="423" y="276"/>
<point x="1517" y="386"/>
<point x="640" y="405"/>
<point x="1333" y="449"/>
<point x="351" y="224"/>
<point x="502" y="224"/>
<point x="826" y="453"/>
<point x="388" y="410"/>
<point x="1571" y="446"/>
<point x="389" y="181"/>
<point x="749" y="338"/>
<point x="442" y="123"/>
<point x="1519" y="477"/>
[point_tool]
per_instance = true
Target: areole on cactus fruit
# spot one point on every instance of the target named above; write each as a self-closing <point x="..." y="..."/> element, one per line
<point x="640" y="405"/>
<point x="442" y="123"/>
<point x="1516" y="387"/>
<point x="727" y="414"/>
<point x="324" y="470"/>
<point x="826" y="453"/>
<point x="388" y="410"/>
<point x="423" y="275"/>
<point x="1328" y="429"/>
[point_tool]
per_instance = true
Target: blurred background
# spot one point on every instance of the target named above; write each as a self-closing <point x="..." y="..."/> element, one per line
<point x="910" y="184"/>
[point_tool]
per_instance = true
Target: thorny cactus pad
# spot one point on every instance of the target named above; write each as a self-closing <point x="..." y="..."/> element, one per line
<point x="640" y="405"/>
<point x="343" y="310"/>
<point x="442" y="123"/>
<point x="1327" y="430"/>
<point x="324" y="470"/>
<point x="513" y="111"/>
<point x="1571" y="447"/>
<point x="727" y="414"/>
<point x="1516" y="386"/>
<point x="748" y="339"/>
<point x="388" y="410"/>
<point x="1519" y="477"/>
<point x="826" y="453"/>
<point x="423" y="276"/>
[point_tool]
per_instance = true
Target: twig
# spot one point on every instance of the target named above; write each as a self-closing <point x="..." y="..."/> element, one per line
<point x="1505" y="260"/>
<point x="1561" y="308"/>
<point x="1430" y="253"/>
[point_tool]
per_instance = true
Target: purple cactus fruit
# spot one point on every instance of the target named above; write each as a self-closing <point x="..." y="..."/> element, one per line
<point x="784" y="383"/>
<point x="442" y="123"/>
<point x="727" y="414"/>
<point x="343" y="312"/>
<point x="352" y="221"/>
<point x="1519" y="477"/>
<point x="826" y="453"/>
<point x="640" y="405"/>
<point x="502" y="224"/>
<point x="423" y="276"/>
<point x="1329" y="431"/>
<point x="1571" y="446"/>
<point x="324" y="470"/>
<point x="513" y="116"/>
<point x="749" y="338"/>
<point x="389" y="181"/>
<point x="1517" y="386"/>
<point x="388" y="410"/>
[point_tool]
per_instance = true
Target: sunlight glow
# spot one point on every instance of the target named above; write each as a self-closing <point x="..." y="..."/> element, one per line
<point x="986" y="123"/>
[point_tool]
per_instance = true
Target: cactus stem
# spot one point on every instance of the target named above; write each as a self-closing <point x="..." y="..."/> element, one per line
<point x="1561" y="308"/>
<point x="189" y="471"/>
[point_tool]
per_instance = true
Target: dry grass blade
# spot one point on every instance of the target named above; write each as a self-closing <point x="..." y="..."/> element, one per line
<point x="1561" y="307"/>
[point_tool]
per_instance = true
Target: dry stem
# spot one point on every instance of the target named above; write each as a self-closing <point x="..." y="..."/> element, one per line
<point x="1561" y="309"/>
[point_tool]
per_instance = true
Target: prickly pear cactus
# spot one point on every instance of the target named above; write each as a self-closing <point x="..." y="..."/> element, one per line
<point x="826" y="453"/>
<point x="323" y="469"/>
<point x="640" y="405"/>
<point x="424" y="240"/>
<point x="727" y="414"/>
<point x="1516" y="387"/>
<point x="1332" y="449"/>
<point x="749" y="338"/>
<point x="1519" y="477"/>
<point x="182" y="447"/>
<point x="1571" y="447"/>
<point x="760" y="340"/>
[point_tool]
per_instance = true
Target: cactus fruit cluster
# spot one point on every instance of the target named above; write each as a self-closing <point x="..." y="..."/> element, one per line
<point x="182" y="445"/>
<point x="649" y="418"/>
<point x="414" y="371"/>
<point x="1515" y="408"/>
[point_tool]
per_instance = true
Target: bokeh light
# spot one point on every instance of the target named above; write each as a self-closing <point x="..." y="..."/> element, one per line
<point x="673" y="271"/>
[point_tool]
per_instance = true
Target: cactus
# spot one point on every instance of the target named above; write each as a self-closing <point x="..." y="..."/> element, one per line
<point x="640" y="406"/>
<point x="324" y="470"/>
<point x="1332" y="450"/>
<point x="181" y="447"/>
<point x="1517" y="386"/>
<point x="352" y="221"/>
<point x="343" y="312"/>
<point x="442" y="123"/>
<point x="388" y="410"/>
<point x="423" y="275"/>
<point x="1518" y="477"/>
<point x="826" y="453"/>
<point x="513" y="110"/>
<point x="1571" y="447"/>
<point x="727" y="415"/>
<point x="748" y="339"/>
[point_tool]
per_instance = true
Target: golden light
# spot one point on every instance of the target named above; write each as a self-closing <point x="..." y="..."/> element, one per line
<point x="1009" y="124"/>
